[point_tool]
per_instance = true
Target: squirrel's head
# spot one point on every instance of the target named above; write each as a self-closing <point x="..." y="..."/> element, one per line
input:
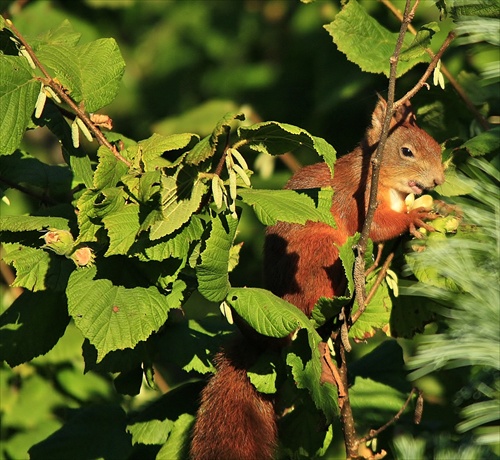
<point x="412" y="159"/>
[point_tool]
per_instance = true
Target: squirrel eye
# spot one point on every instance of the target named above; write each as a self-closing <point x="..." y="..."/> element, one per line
<point x="407" y="152"/>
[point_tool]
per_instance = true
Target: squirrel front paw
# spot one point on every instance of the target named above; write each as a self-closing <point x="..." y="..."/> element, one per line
<point x="418" y="216"/>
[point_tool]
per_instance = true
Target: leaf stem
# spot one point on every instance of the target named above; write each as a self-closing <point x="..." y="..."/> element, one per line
<point x="60" y="91"/>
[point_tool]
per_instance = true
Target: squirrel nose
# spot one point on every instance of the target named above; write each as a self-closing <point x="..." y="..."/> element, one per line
<point x="438" y="180"/>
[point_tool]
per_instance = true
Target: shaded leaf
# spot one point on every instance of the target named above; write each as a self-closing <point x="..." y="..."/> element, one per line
<point x="93" y="432"/>
<point x="32" y="325"/>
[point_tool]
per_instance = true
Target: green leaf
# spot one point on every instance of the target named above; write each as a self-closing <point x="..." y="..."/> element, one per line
<point x="101" y="66"/>
<point x="305" y="361"/>
<point x="212" y="271"/>
<point x="201" y="340"/>
<point x="114" y="317"/>
<point x="109" y="170"/>
<point x="481" y="8"/>
<point x="421" y="41"/>
<point x="366" y="43"/>
<point x="373" y="403"/>
<point x="21" y="168"/>
<point x="37" y="269"/>
<point x="97" y="431"/>
<point x="384" y="364"/>
<point x="265" y="312"/>
<point x="175" y="245"/>
<point x="76" y="157"/>
<point x="88" y="221"/>
<point x="326" y="309"/>
<point x="18" y="95"/>
<point x="277" y="138"/>
<point x="175" y="447"/>
<point x="122" y="226"/>
<point x="156" y="151"/>
<point x="32" y="223"/>
<point x="216" y="143"/>
<point x="180" y="197"/>
<point x="153" y="423"/>
<point x="271" y="206"/>
<point x="32" y="325"/>
<point x="484" y="143"/>
<point x="377" y="314"/>
<point x="263" y="373"/>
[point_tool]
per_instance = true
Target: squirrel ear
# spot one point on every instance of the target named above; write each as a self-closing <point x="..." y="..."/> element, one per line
<point x="373" y="133"/>
<point x="403" y="114"/>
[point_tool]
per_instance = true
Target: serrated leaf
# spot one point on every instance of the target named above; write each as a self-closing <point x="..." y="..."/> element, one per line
<point x="88" y="221"/>
<point x="271" y="206"/>
<point x="109" y="170"/>
<point x="212" y="272"/>
<point x="32" y="223"/>
<point x="484" y="143"/>
<point x="325" y="309"/>
<point x="114" y="317"/>
<point x="377" y="314"/>
<point x="420" y="42"/>
<point x="18" y="94"/>
<point x="265" y="312"/>
<point x="367" y="43"/>
<point x="91" y="72"/>
<point x="153" y="149"/>
<point x="36" y="269"/>
<point x="263" y="374"/>
<point x="123" y="226"/>
<point x="216" y="142"/>
<point x="174" y="448"/>
<point x="305" y="361"/>
<point x="180" y="197"/>
<point x="277" y="138"/>
<point x="175" y="245"/>
<point x="101" y="66"/>
<point x="32" y="325"/>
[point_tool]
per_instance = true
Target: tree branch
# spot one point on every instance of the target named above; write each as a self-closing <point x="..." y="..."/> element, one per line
<point x="359" y="266"/>
<point x="375" y="433"/>
<point x="452" y="80"/>
<point x="60" y="91"/>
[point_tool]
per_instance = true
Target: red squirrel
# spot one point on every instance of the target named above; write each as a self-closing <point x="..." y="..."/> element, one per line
<point x="301" y="264"/>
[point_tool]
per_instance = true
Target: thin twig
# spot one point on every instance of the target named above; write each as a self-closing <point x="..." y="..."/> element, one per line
<point x="359" y="266"/>
<point x="59" y="89"/>
<point x="42" y="198"/>
<point x="452" y="80"/>
<point x="375" y="433"/>
<point x="380" y="248"/>
<point x="427" y="73"/>
<point x="373" y="290"/>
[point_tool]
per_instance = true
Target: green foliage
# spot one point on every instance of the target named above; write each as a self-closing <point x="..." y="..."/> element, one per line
<point x="125" y="253"/>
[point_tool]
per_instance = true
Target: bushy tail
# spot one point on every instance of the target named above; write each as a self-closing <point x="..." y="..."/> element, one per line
<point x="235" y="421"/>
